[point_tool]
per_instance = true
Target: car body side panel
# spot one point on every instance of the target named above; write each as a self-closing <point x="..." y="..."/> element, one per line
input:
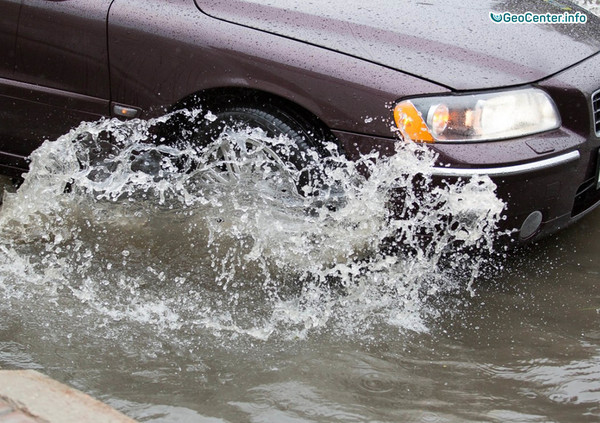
<point x="32" y="114"/>
<point x="161" y="52"/>
<point x="62" y="45"/>
<point x="60" y="77"/>
<point x="9" y="19"/>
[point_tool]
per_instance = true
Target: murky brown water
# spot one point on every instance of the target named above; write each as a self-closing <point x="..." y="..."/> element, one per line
<point x="197" y="315"/>
<point x="525" y="348"/>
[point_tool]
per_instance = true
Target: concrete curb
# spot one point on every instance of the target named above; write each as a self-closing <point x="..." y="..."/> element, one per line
<point x="27" y="396"/>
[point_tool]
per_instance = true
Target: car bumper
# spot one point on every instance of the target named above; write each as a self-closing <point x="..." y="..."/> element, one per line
<point x="541" y="196"/>
<point x="543" y="192"/>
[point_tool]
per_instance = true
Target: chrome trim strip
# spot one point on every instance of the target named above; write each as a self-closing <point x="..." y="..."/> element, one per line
<point x="53" y="96"/>
<point x="508" y="170"/>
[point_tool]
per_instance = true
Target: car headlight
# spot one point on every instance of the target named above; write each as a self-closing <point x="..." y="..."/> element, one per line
<point x="477" y="117"/>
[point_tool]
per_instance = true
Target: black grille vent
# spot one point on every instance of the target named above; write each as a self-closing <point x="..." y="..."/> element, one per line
<point x="596" y="108"/>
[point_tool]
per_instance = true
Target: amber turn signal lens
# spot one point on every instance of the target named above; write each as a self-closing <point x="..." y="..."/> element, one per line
<point x="410" y="122"/>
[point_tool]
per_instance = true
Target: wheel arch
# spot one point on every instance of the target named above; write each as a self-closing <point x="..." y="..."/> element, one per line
<point x="214" y="99"/>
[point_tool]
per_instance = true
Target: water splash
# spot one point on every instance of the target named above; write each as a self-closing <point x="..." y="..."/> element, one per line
<point x="230" y="239"/>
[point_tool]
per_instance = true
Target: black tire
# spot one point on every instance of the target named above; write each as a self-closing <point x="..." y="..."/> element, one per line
<point x="272" y="122"/>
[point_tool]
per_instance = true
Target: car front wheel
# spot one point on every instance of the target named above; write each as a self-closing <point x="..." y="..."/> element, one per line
<point x="282" y="148"/>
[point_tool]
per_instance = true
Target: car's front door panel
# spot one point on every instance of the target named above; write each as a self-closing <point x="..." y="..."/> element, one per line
<point x="9" y="19"/>
<point x="61" y="72"/>
<point x="62" y="44"/>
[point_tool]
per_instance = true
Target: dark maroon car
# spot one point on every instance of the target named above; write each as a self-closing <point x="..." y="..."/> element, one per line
<point x="519" y="102"/>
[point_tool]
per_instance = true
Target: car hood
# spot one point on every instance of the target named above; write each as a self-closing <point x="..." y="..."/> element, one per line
<point x="451" y="42"/>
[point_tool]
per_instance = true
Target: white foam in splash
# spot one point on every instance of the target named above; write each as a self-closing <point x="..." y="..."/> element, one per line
<point x="246" y="254"/>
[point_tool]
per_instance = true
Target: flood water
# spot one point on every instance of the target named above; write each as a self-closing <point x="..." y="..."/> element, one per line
<point x="198" y="297"/>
